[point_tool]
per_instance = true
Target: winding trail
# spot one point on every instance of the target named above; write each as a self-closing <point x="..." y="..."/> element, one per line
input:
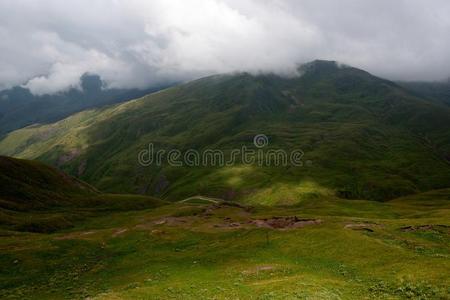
<point x="209" y="199"/>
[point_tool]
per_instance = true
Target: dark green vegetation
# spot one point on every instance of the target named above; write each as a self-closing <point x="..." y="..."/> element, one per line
<point x="364" y="138"/>
<point x="325" y="248"/>
<point x="38" y="198"/>
<point x="438" y="91"/>
<point x="19" y="108"/>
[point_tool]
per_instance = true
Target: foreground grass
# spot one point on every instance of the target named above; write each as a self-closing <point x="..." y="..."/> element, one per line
<point x="195" y="250"/>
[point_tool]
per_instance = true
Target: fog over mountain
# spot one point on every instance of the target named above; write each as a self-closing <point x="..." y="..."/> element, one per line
<point x="48" y="45"/>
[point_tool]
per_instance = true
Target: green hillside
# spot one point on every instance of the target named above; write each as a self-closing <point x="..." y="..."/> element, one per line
<point x="362" y="137"/>
<point x="38" y="198"/>
<point x="26" y="185"/>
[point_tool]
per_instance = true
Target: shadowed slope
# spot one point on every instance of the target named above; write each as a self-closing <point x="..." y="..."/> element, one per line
<point x="33" y="185"/>
<point x="38" y="198"/>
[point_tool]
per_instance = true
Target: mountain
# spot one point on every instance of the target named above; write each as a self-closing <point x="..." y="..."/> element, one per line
<point x="438" y="91"/>
<point x="20" y="108"/>
<point x="362" y="137"/>
<point x="39" y="198"/>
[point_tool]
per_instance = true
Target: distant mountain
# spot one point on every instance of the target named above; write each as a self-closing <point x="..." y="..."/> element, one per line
<point x="20" y="108"/>
<point x="438" y="91"/>
<point x="362" y="137"/>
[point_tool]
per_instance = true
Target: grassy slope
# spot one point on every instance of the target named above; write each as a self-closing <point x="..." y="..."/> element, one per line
<point x="183" y="251"/>
<point x="30" y="185"/>
<point x="366" y="137"/>
<point x="38" y="198"/>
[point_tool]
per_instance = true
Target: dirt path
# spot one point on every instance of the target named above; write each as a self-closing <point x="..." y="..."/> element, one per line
<point x="209" y="199"/>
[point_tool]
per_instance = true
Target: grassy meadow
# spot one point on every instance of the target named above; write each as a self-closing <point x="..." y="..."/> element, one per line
<point x="319" y="249"/>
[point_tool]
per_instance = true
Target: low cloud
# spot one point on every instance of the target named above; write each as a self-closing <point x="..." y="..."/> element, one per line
<point x="47" y="45"/>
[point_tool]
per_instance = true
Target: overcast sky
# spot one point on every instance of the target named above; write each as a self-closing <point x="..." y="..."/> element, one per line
<point x="47" y="45"/>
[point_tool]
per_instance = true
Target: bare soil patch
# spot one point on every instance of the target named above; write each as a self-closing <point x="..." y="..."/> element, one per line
<point x="279" y="223"/>
<point x="285" y="222"/>
<point x="427" y="227"/>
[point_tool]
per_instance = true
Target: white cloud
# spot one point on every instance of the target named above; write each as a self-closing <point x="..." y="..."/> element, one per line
<point x="48" y="44"/>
